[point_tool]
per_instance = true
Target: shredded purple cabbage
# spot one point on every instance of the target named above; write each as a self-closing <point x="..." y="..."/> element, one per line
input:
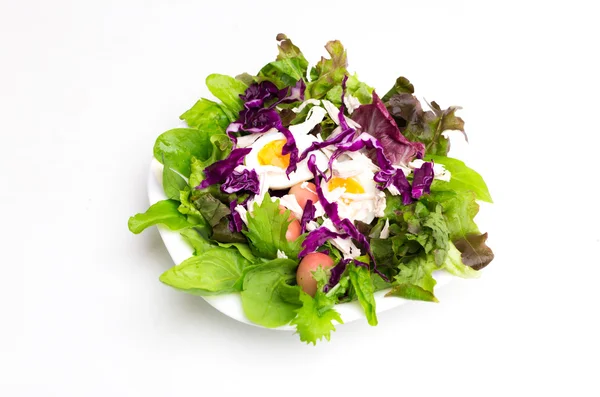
<point x="423" y="177"/>
<point x="346" y="134"/>
<point x="236" y="223"/>
<point x="338" y="270"/>
<point x="218" y="171"/>
<point x="336" y="274"/>
<point x="245" y="180"/>
<point x="291" y="94"/>
<point x="331" y="209"/>
<point x="317" y="238"/>
<point x="395" y="178"/>
<point x="307" y="215"/>
<point x="364" y="140"/>
<point x="256" y="94"/>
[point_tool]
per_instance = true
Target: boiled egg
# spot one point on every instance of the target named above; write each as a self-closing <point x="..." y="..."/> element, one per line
<point x="352" y="187"/>
<point x="266" y="156"/>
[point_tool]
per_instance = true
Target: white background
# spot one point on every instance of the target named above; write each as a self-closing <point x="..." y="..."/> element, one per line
<point x="85" y="88"/>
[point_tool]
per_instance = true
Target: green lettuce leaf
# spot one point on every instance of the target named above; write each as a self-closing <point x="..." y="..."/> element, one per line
<point x="163" y="212"/>
<point x="459" y="209"/>
<point x="206" y="115"/>
<point x="454" y="264"/>
<point x="418" y="271"/>
<point x="267" y="297"/>
<point x="289" y="67"/>
<point x="362" y="283"/>
<point x="328" y="72"/>
<point x="354" y="87"/>
<point x="267" y="228"/>
<point x="402" y="85"/>
<point x="228" y="90"/>
<point x="216" y="271"/>
<point x="177" y="147"/>
<point x="463" y="178"/>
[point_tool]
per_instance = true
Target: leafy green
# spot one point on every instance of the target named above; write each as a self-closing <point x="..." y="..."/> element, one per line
<point x="314" y="320"/>
<point x="462" y="178"/>
<point x="418" y="271"/>
<point x="454" y="264"/>
<point x="173" y="183"/>
<point x="187" y="207"/>
<point x="418" y="125"/>
<point x="222" y="233"/>
<point x="211" y="209"/>
<point x="289" y="67"/>
<point x="244" y="250"/>
<point x="475" y="252"/>
<point x="198" y="239"/>
<point x="360" y="278"/>
<point x="459" y="209"/>
<point x="429" y="229"/>
<point x="206" y="115"/>
<point x="402" y="85"/>
<point x="163" y="212"/>
<point x="267" y="297"/>
<point x="354" y="87"/>
<point x="267" y="228"/>
<point x="413" y="292"/>
<point x="328" y="72"/>
<point x="228" y="90"/>
<point x="216" y="271"/>
<point x="178" y="146"/>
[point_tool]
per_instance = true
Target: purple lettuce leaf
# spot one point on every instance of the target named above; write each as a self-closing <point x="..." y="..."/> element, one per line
<point x="245" y="180"/>
<point x="307" y="215"/>
<point x="376" y="120"/>
<point x="220" y="170"/>
<point x="423" y="177"/>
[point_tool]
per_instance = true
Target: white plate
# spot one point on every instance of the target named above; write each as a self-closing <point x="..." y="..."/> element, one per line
<point x="231" y="304"/>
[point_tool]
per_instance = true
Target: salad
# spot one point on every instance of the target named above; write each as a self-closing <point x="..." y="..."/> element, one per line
<point x="301" y="189"/>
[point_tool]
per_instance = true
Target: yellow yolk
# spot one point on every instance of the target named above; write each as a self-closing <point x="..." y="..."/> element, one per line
<point x="270" y="154"/>
<point x="350" y="184"/>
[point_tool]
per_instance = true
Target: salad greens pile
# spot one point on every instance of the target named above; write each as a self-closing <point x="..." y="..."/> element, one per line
<point x="410" y="214"/>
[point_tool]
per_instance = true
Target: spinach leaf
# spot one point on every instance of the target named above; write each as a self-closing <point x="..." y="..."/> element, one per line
<point x="197" y="238"/>
<point x="228" y="90"/>
<point x="216" y="271"/>
<point x="267" y="298"/>
<point x="163" y="212"/>
<point x="177" y="146"/>
<point x="211" y="209"/>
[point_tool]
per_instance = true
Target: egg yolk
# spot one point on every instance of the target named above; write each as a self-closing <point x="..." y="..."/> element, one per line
<point x="350" y="184"/>
<point x="270" y="154"/>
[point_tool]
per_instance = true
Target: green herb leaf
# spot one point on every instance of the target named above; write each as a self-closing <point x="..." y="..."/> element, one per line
<point x="206" y="115"/>
<point x="228" y="90"/>
<point x="267" y="298"/>
<point x="173" y="183"/>
<point x="163" y="212"/>
<point x="211" y="209"/>
<point x="216" y="271"/>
